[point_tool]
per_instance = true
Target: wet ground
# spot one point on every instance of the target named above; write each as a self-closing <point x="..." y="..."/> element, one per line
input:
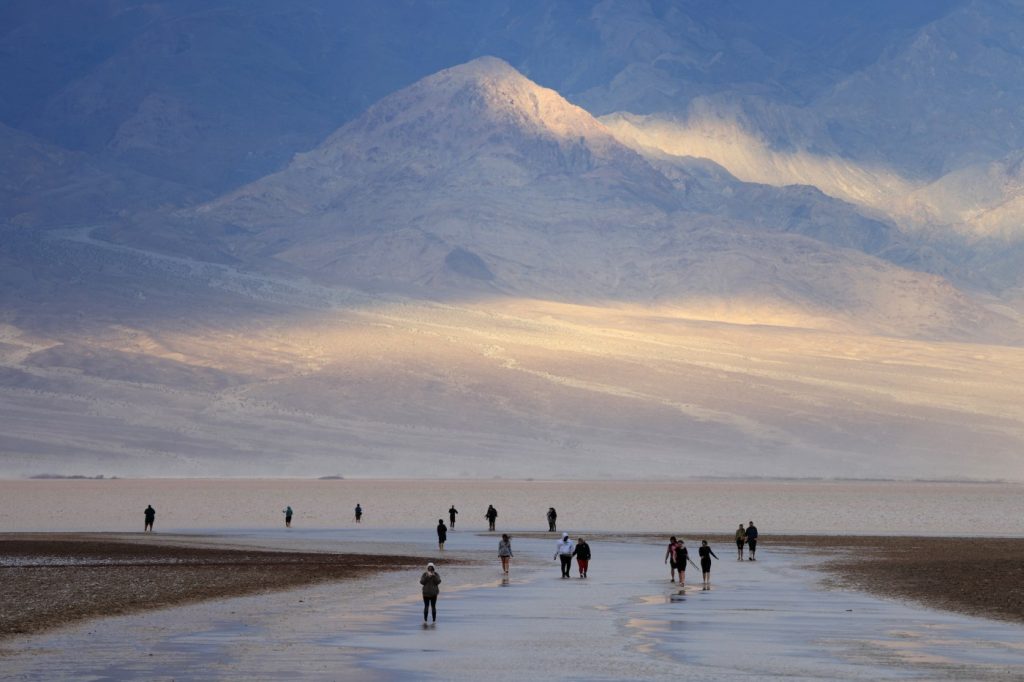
<point x="768" y="619"/>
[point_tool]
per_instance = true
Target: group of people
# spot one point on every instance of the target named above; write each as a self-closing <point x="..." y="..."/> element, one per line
<point x="565" y="550"/>
<point x="746" y="537"/>
<point x="677" y="556"/>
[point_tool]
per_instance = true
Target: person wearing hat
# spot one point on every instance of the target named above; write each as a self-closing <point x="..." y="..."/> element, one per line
<point x="563" y="552"/>
<point x="430" y="581"/>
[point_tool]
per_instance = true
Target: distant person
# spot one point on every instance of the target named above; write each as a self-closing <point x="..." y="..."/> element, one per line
<point x="430" y="581"/>
<point x="505" y="551"/>
<point x="706" y="553"/>
<point x="751" y="537"/>
<point x="452" y="511"/>
<point x="741" y="538"/>
<point x="442" y="534"/>
<point x="491" y="515"/>
<point x="359" y="513"/>
<point x="287" y="517"/>
<point x="563" y="552"/>
<point x="582" y="554"/>
<point x="670" y="558"/>
<point x="552" y="518"/>
<point x="150" y="514"/>
<point x="682" y="557"/>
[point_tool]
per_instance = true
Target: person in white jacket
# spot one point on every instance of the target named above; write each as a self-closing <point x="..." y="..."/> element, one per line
<point x="563" y="552"/>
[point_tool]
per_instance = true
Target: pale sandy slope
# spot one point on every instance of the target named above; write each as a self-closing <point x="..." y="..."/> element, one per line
<point x="511" y="388"/>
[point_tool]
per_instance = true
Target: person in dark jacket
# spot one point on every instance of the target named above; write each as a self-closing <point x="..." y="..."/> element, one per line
<point x="442" y="534"/>
<point x="150" y="515"/>
<point x="491" y="515"/>
<point x="741" y="539"/>
<point x="359" y="512"/>
<point x="582" y="554"/>
<point x="287" y="511"/>
<point x="430" y="581"/>
<point x="682" y="558"/>
<point x="751" y="541"/>
<point x="706" y="553"/>
<point x="452" y="511"/>
<point x="552" y="518"/>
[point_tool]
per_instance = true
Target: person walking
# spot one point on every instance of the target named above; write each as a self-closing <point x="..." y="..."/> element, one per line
<point x="452" y="511"/>
<point x="552" y="518"/>
<point x="150" y="515"/>
<point x="442" y="534"/>
<point x="670" y="558"/>
<point x="741" y="538"/>
<point x="505" y="551"/>
<point x="491" y="515"/>
<point x="430" y="581"/>
<point x="682" y="557"/>
<point x="751" y="537"/>
<point x="582" y="554"/>
<point x="706" y="553"/>
<point x="359" y="513"/>
<point x="563" y="552"/>
<point x="287" y="511"/>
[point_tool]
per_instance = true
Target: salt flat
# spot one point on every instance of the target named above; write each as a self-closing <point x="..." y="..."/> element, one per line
<point x="768" y="619"/>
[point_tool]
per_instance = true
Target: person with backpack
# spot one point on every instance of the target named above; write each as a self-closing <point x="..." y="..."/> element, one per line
<point x="552" y="517"/>
<point x="452" y="511"/>
<point x="491" y="515"/>
<point x="287" y="511"/>
<point x="150" y="515"/>
<point x="359" y="513"/>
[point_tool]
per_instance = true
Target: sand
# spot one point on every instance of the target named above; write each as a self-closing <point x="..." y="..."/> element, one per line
<point x="49" y="580"/>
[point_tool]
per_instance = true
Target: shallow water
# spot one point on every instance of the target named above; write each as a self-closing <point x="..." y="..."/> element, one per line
<point x="685" y="506"/>
<point x="769" y="619"/>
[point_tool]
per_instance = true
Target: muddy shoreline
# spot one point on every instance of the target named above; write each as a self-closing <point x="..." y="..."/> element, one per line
<point x="47" y="581"/>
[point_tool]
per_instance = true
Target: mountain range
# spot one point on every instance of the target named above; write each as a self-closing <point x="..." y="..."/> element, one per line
<point x="246" y="237"/>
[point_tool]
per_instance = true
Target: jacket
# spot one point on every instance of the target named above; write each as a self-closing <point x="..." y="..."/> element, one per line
<point x="504" y="548"/>
<point x="582" y="551"/>
<point x="430" y="582"/>
<point x="564" y="548"/>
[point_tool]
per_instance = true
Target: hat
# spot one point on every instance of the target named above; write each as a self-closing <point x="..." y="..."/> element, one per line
<point x="565" y="535"/>
<point x="430" y="565"/>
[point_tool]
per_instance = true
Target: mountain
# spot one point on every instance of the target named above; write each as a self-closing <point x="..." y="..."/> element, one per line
<point x="476" y="180"/>
<point x="238" y="237"/>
